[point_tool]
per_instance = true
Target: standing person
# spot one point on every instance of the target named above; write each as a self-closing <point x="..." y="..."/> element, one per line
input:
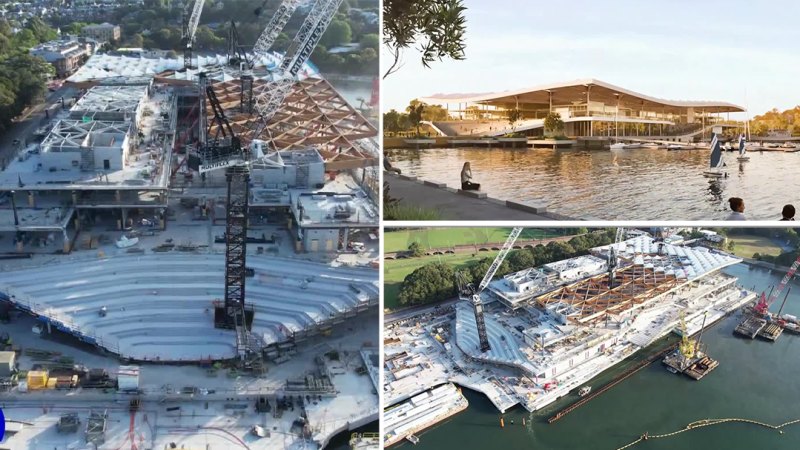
<point x="737" y="209"/>
<point x="788" y="212"/>
<point x="466" y="176"/>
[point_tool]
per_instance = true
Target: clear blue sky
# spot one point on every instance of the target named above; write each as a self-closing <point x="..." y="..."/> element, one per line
<point x="743" y="52"/>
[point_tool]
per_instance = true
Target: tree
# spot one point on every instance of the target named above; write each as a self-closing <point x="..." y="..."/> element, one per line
<point x="513" y="116"/>
<point x="74" y="28"/>
<point x="415" y="249"/>
<point x="553" y="123"/>
<point x="438" y="27"/>
<point x="391" y="121"/>
<point x="430" y="283"/>
<point x="370" y="41"/>
<point x="135" y="41"/>
<point x="415" y="110"/>
<point x="338" y="33"/>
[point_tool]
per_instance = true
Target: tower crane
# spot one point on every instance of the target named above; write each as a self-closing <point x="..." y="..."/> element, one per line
<point x="466" y="291"/>
<point x="225" y="151"/>
<point x="613" y="257"/>
<point x="191" y="18"/>
<point x="762" y="307"/>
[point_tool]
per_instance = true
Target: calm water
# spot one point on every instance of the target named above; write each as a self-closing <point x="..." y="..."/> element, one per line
<point x="756" y="379"/>
<point x="636" y="184"/>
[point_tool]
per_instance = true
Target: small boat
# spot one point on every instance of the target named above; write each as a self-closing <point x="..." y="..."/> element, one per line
<point x="727" y="147"/>
<point x="672" y="369"/>
<point x="584" y="391"/>
<point x="770" y="145"/>
<point x="679" y="147"/>
<point x="716" y="163"/>
<point x="651" y="145"/>
<point x="742" y="150"/>
<point x="788" y="145"/>
<point x="617" y="146"/>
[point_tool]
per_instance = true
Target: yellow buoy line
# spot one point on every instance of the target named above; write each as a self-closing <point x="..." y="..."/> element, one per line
<point x="706" y="423"/>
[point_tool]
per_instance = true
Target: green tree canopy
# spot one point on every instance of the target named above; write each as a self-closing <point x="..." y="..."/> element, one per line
<point x="430" y="283"/>
<point x="338" y="33"/>
<point x="436" y="27"/>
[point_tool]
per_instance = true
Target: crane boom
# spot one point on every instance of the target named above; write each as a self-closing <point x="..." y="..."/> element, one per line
<point x="189" y="29"/>
<point x="275" y="26"/>
<point x="268" y="97"/>
<point x="764" y="304"/>
<point x="498" y="260"/>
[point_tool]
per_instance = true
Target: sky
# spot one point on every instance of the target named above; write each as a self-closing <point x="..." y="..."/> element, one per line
<point x="737" y="51"/>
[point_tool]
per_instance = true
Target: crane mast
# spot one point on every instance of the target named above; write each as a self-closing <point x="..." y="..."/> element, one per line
<point x="466" y="291"/>
<point x="224" y="150"/>
<point x="190" y="22"/>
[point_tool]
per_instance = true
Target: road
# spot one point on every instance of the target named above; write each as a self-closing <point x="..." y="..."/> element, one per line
<point x="406" y="313"/>
<point x="23" y="129"/>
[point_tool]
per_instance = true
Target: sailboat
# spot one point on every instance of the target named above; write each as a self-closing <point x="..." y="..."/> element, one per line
<point x="715" y="170"/>
<point x="742" y="157"/>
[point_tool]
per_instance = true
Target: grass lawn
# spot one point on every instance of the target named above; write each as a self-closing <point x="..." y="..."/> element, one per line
<point x="746" y="245"/>
<point x="396" y="270"/>
<point x="445" y="237"/>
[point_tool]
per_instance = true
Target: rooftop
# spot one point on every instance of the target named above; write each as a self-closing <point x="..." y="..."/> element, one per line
<point x="102" y="102"/>
<point x="576" y="90"/>
<point x="149" y="64"/>
<point x="326" y="208"/>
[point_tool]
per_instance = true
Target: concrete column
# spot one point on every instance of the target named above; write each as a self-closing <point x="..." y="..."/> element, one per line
<point x="124" y="217"/>
<point x="346" y="237"/>
<point x="690" y="115"/>
<point x="117" y="196"/>
<point x="31" y="200"/>
<point x="74" y="198"/>
<point x="66" y="241"/>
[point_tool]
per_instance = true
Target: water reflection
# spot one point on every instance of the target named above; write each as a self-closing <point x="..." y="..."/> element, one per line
<point x="635" y="184"/>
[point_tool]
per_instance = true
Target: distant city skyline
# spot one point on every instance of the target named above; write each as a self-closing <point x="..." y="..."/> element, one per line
<point x="732" y="51"/>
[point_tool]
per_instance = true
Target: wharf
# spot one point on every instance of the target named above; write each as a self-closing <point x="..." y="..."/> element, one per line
<point x="750" y="327"/>
<point x="455" y="204"/>
<point x="771" y="332"/>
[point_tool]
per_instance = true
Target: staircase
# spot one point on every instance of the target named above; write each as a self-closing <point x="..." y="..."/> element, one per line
<point x="87" y="159"/>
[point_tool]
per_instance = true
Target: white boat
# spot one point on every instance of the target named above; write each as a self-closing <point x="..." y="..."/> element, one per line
<point x="716" y="163"/>
<point x="584" y="391"/>
<point x="618" y="146"/>
<point x="742" y="150"/>
<point x="125" y="242"/>
<point x="770" y="145"/>
<point x="727" y="147"/>
<point x="651" y="145"/>
<point x="788" y="145"/>
<point x="679" y="147"/>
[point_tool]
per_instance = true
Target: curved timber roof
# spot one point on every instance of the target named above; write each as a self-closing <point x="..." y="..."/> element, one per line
<point x="574" y="91"/>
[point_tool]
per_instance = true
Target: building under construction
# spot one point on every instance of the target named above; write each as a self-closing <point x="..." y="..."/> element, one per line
<point x="550" y="329"/>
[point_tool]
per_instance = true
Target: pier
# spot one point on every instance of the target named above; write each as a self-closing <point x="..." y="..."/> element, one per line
<point x="618" y="379"/>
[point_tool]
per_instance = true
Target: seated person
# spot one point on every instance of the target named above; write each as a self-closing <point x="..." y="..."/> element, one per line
<point x="387" y="165"/>
<point x="466" y="176"/>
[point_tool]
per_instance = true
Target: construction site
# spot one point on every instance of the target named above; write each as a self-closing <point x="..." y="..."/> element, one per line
<point x="135" y="314"/>
<point x="532" y="337"/>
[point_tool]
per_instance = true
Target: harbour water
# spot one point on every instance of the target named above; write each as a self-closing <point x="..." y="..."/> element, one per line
<point x="755" y="380"/>
<point x="636" y="184"/>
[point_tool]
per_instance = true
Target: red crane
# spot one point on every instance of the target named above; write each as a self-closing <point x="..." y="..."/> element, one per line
<point x="762" y="307"/>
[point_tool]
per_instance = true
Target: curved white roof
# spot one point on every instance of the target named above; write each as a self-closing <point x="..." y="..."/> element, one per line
<point x="575" y="89"/>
